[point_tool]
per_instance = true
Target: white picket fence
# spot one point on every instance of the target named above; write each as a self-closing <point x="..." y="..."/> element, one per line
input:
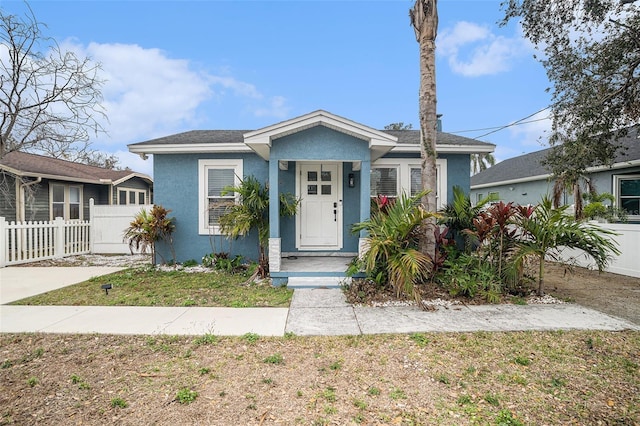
<point x="24" y="242"/>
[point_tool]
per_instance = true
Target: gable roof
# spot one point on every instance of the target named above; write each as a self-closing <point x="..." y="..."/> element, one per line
<point x="528" y="167"/>
<point x="34" y="165"/>
<point x="380" y="141"/>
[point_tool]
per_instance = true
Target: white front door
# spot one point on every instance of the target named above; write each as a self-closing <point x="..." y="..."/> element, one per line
<point x="320" y="215"/>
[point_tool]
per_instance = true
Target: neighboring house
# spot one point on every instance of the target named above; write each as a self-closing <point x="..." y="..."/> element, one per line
<point x="524" y="180"/>
<point x="334" y="165"/>
<point x="38" y="188"/>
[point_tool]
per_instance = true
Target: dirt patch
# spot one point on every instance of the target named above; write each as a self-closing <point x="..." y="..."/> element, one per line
<point x="613" y="294"/>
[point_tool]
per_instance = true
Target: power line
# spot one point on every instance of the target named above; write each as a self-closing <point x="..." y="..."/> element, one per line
<point x="498" y="128"/>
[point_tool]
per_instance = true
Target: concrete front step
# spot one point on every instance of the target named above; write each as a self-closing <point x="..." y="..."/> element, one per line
<point x="317" y="282"/>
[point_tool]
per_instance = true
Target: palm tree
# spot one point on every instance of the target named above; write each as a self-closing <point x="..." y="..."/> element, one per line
<point x="480" y="162"/>
<point x="149" y="227"/>
<point x="574" y="182"/>
<point x="548" y="230"/>
<point x="424" y="20"/>
<point x="253" y="213"/>
<point x="392" y="254"/>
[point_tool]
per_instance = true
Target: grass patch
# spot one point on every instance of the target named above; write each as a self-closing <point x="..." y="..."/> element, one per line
<point x="148" y="287"/>
<point x="565" y="382"/>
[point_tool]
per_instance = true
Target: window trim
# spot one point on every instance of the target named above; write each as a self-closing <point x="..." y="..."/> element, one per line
<point x="203" y="166"/>
<point x="67" y="200"/>
<point x="128" y="191"/>
<point x="404" y="166"/>
<point x="617" y="179"/>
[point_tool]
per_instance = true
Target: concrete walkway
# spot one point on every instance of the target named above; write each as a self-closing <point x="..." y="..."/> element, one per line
<point x="312" y="312"/>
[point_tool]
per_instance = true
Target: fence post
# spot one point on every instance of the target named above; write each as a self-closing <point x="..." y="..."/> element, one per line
<point x="3" y="239"/>
<point x="92" y="229"/>
<point x="59" y="238"/>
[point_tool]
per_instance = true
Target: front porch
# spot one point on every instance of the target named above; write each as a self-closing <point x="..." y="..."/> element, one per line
<point x="312" y="270"/>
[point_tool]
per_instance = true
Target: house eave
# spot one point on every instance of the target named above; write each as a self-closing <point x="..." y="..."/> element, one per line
<point x="511" y="181"/>
<point x="142" y="176"/>
<point x="448" y="149"/>
<point x="615" y="166"/>
<point x="261" y="140"/>
<point x="199" y="148"/>
<point x="20" y="173"/>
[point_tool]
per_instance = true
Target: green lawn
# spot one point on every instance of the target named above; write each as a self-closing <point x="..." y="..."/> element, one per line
<point x="146" y="287"/>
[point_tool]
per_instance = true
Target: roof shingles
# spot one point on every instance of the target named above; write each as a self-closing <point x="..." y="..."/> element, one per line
<point x="38" y="165"/>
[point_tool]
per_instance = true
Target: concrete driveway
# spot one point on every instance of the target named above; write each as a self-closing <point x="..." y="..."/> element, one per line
<point x="18" y="282"/>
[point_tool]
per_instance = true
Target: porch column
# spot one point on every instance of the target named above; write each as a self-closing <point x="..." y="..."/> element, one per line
<point x="365" y="201"/>
<point x="274" y="217"/>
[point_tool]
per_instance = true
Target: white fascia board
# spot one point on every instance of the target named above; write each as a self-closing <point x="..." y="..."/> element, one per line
<point x="316" y="118"/>
<point x="132" y="175"/>
<point x="196" y="148"/>
<point x="448" y="149"/>
<point x="512" y="181"/>
<point x="615" y="166"/>
<point x="261" y="145"/>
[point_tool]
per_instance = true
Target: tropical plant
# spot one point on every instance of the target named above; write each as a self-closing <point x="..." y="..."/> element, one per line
<point x="546" y="232"/>
<point x="252" y="212"/>
<point x="149" y="227"/>
<point x="601" y="206"/>
<point x="459" y="215"/>
<point x="392" y="254"/>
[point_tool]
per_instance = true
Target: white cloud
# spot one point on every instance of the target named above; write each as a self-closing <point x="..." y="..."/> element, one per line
<point x="473" y="50"/>
<point x="277" y="108"/>
<point x="534" y="132"/>
<point x="148" y="94"/>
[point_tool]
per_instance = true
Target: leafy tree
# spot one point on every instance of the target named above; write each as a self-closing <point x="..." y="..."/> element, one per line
<point x="50" y="99"/>
<point x="424" y="20"/>
<point x="480" y="162"/>
<point x="398" y="126"/>
<point x="592" y="57"/>
<point x="253" y="213"/>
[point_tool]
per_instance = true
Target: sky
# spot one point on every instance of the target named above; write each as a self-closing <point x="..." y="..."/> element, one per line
<point x="174" y="66"/>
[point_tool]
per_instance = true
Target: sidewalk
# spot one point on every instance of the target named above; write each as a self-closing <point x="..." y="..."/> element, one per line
<point x="312" y="312"/>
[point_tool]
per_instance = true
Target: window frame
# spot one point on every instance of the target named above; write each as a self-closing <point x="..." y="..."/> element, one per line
<point x="66" y="204"/>
<point x="127" y="195"/>
<point x="617" y="181"/>
<point x="203" y="194"/>
<point x="404" y="166"/>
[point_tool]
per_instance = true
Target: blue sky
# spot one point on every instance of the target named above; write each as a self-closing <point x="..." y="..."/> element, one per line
<point x="173" y="66"/>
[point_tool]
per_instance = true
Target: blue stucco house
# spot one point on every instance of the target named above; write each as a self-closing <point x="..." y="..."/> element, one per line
<point x="525" y="180"/>
<point x="333" y="164"/>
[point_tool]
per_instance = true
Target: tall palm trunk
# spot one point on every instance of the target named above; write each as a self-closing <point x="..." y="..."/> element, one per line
<point x="424" y="19"/>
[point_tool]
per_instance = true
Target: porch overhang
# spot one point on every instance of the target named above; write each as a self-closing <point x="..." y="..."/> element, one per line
<point x="261" y="140"/>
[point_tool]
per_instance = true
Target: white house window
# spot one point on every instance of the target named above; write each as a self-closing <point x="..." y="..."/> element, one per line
<point x="214" y="176"/>
<point x="131" y="196"/>
<point x="628" y="193"/>
<point x="384" y="181"/>
<point x="391" y="176"/>
<point x="66" y="201"/>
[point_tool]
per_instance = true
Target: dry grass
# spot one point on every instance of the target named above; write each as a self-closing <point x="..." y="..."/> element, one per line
<point x="577" y="377"/>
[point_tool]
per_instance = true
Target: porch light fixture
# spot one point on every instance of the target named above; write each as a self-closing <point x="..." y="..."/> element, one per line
<point x="352" y="180"/>
<point x="106" y="288"/>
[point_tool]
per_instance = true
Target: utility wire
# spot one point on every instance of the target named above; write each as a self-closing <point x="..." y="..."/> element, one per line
<point x="498" y="128"/>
